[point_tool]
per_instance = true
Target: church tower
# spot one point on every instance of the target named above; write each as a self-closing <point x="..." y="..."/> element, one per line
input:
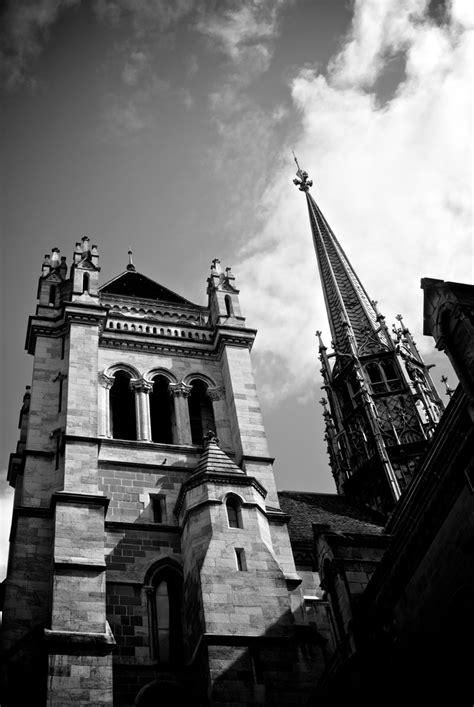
<point x="381" y="405"/>
<point x="149" y="558"/>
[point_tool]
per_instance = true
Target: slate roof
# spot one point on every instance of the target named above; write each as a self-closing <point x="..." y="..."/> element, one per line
<point x="213" y="459"/>
<point x="336" y="511"/>
<point x="133" y="284"/>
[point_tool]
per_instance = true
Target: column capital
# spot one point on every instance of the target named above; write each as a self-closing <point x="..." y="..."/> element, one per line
<point x="140" y="385"/>
<point x="180" y="389"/>
<point x="216" y="393"/>
<point x="106" y="381"/>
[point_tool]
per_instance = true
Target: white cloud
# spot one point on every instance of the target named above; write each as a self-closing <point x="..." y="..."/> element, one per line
<point x="394" y="181"/>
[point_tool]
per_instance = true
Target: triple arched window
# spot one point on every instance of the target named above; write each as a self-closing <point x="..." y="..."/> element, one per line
<point x="149" y="410"/>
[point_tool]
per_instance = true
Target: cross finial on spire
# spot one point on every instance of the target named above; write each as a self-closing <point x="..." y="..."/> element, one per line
<point x="303" y="183"/>
<point x="130" y="266"/>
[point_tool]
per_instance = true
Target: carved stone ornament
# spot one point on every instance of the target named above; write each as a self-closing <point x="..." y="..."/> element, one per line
<point x="216" y="393"/>
<point x="180" y="389"/>
<point x="106" y="381"/>
<point x="210" y="437"/>
<point x="141" y="385"/>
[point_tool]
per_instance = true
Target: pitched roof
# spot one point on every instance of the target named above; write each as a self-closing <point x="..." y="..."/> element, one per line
<point x="133" y="284"/>
<point x="213" y="459"/>
<point x="336" y="511"/>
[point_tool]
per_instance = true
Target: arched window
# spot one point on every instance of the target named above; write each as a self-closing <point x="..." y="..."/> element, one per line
<point x="383" y="376"/>
<point x="122" y="405"/>
<point x="52" y="295"/>
<point x="228" y="306"/>
<point x="376" y="379"/>
<point x="391" y="374"/>
<point x="85" y="282"/>
<point x="234" y="513"/>
<point x="201" y="414"/>
<point x="161" y="411"/>
<point x="165" y="608"/>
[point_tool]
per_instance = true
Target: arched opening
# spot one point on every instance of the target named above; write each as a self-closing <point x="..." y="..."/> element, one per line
<point x="234" y="512"/>
<point x="161" y="411"/>
<point x="201" y="414"/>
<point x="122" y="405"/>
<point x="165" y="607"/>
<point x="85" y="282"/>
<point x="52" y="295"/>
<point x="391" y="374"/>
<point x="376" y="379"/>
<point x="228" y="306"/>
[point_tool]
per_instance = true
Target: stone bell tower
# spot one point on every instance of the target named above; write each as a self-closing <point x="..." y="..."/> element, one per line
<point x="381" y="405"/>
<point x="149" y="558"/>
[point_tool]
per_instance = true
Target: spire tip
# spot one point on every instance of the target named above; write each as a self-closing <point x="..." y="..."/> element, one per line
<point x="302" y="181"/>
<point x="130" y="266"/>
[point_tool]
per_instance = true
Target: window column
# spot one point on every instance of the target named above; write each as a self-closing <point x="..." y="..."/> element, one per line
<point x="105" y="384"/>
<point x="221" y="418"/>
<point x="142" y="390"/>
<point x="181" y="393"/>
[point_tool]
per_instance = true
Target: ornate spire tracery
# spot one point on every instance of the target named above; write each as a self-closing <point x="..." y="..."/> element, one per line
<point x="381" y="403"/>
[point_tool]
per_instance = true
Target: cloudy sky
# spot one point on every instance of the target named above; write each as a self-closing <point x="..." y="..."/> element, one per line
<point x="168" y="127"/>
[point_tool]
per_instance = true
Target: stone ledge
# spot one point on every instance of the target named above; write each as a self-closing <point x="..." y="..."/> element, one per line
<point x="85" y="499"/>
<point x="78" y="563"/>
<point x="256" y="458"/>
<point x="153" y="527"/>
<point x="79" y="642"/>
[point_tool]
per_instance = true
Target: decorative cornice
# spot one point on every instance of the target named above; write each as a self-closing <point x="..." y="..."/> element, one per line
<point x="164" y="347"/>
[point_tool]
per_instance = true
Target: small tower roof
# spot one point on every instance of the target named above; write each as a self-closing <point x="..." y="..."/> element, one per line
<point x="133" y="284"/>
<point x="213" y="459"/>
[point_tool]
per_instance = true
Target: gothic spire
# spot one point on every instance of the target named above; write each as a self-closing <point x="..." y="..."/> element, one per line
<point x="353" y="318"/>
<point x="381" y="404"/>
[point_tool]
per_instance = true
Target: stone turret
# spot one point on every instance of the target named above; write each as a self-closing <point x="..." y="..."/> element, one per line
<point x="85" y="270"/>
<point x="223" y="296"/>
<point x="51" y="282"/>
